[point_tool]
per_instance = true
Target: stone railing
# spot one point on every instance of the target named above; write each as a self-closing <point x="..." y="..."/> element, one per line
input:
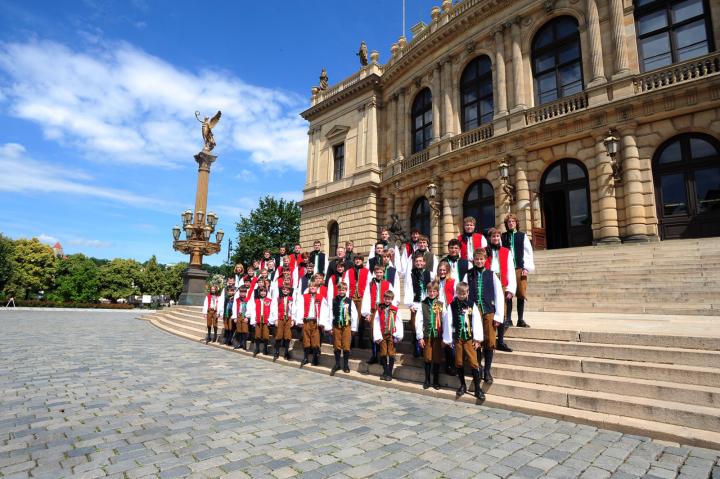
<point x="557" y="108"/>
<point x="473" y="136"/>
<point x="678" y="73"/>
<point x="460" y="7"/>
<point x="416" y="159"/>
<point x="348" y="82"/>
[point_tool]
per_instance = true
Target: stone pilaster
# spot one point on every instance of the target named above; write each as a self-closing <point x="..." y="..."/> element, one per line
<point x="308" y="173"/>
<point x="608" y="231"/>
<point x="518" y="78"/>
<point x="620" y="55"/>
<point x="500" y="85"/>
<point x="635" y="220"/>
<point x="597" y="72"/>
<point x="391" y="127"/>
<point x="448" y="84"/>
<point x="436" y="100"/>
<point x="522" y="193"/>
<point x="402" y="125"/>
<point x="371" y="153"/>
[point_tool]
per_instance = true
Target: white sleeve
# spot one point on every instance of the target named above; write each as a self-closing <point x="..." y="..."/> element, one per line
<point x="399" y="326"/>
<point x="499" y="300"/>
<point x="528" y="255"/>
<point x="299" y="306"/>
<point x="483" y="243"/>
<point x="250" y="312"/>
<point x="234" y="310"/>
<point x="365" y="304"/>
<point x="396" y="286"/>
<point x="273" y="312"/>
<point x="325" y="319"/>
<point x="205" y="305"/>
<point x="353" y="317"/>
<point x="477" y="324"/>
<point x="447" y="325"/>
<point x="512" y="280"/>
<point x="419" y="323"/>
<point x="330" y="290"/>
<point x="409" y="293"/>
<point x="221" y="305"/>
<point x="377" y="334"/>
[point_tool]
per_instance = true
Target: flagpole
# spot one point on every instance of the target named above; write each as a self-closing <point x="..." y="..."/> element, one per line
<point x="403" y="18"/>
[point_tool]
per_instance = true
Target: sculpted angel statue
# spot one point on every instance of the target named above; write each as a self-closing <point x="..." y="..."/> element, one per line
<point x="207" y="125"/>
<point x="363" y="54"/>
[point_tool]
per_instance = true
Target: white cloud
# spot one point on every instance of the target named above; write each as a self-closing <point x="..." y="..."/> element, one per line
<point x="246" y="175"/>
<point x="21" y="173"/>
<point x="44" y="238"/>
<point x="118" y="103"/>
<point x="90" y="243"/>
<point x="290" y="195"/>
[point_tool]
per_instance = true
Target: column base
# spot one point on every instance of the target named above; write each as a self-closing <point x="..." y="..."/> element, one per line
<point x="194" y="291"/>
<point x="641" y="238"/>
<point x="608" y="241"/>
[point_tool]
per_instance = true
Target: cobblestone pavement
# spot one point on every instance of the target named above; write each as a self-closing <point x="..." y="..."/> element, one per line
<point x="90" y="395"/>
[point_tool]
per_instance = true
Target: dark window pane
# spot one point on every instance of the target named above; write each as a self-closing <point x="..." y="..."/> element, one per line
<point x="671" y="153"/>
<point x="672" y="189"/>
<point x="486" y="88"/>
<point x="640" y="3"/>
<point x="488" y="216"/>
<point x="570" y="74"/>
<point x="565" y="27"/>
<point x="569" y="52"/>
<point x="700" y="148"/>
<point x="554" y="176"/>
<point x="572" y="89"/>
<point x="652" y="21"/>
<point x="686" y="10"/>
<point x="486" y="117"/>
<point x="428" y="117"/>
<point x="574" y="172"/>
<point x="473" y="192"/>
<point x="549" y="96"/>
<point x="578" y="207"/>
<point x="546" y="82"/>
<point x="484" y="66"/>
<point x="469" y="96"/>
<point x="654" y="46"/>
<point x="487" y="191"/>
<point x="545" y="62"/>
<point x="418" y="122"/>
<point x="486" y="105"/>
<point x="544" y="37"/>
<point x="470" y="72"/>
<point x="691" y="40"/>
<point x="707" y="185"/>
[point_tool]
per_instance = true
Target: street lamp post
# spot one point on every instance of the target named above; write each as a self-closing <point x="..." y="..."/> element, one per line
<point x="198" y="228"/>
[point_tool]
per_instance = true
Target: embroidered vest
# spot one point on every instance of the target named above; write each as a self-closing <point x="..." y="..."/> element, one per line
<point x="515" y="242"/>
<point x="488" y="290"/>
<point x="341" y="311"/>
<point x="420" y="280"/>
<point x="432" y="318"/>
<point x="262" y="310"/>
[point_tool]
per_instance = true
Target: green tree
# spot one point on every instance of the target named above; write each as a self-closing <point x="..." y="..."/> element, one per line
<point x="76" y="279"/>
<point x="173" y="280"/>
<point x="119" y="279"/>
<point x="273" y="223"/>
<point x="33" y="268"/>
<point x="152" y="279"/>
<point x="7" y="262"/>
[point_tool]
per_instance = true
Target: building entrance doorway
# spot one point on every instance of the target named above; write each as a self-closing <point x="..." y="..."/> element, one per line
<point x="565" y="199"/>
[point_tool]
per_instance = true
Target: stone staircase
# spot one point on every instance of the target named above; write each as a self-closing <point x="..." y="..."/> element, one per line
<point x="665" y="387"/>
<point x="668" y="277"/>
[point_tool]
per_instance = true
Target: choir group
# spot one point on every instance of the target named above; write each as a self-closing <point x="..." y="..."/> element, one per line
<point x="459" y="305"/>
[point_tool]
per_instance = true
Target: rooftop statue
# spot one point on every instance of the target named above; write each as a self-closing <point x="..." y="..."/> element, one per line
<point x="323" y="79"/>
<point x="363" y="54"/>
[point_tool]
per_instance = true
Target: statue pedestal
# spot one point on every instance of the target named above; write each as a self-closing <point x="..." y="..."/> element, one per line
<point x="194" y="292"/>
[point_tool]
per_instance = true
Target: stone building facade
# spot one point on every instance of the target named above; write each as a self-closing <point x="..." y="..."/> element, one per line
<point x="547" y="88"/>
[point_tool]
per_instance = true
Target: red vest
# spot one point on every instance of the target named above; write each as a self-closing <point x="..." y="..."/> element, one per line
<point x="385" y="315"/>
<point x="477" y="243"/>
<point x="265" y="305"/>
<point x="322" y="291"/>
<point x="449" y="290"/>
<point x="238" y="306"/>
<point x="384" y="286"/>
<point x="209" y="301"/>
<point x="503" y="258"/>
<point x="281" y="306"/>
<point x="318" y="302"/>
<point x="354" y="281"/>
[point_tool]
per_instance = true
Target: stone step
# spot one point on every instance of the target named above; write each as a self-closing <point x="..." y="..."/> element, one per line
<point x="635" y="308"/>
<point x="669" y="296"/>
<point x="630" y="339"/>
<point x="595" y="407"/>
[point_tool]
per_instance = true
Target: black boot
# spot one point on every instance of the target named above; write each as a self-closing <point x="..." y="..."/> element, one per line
<point x="243" y="341"/>
<point x="521" y="311"/>
<point x="449" y="362"/>
<point x="235" y="341"/>
<point x="276" y="349"/>
<point x="336" y="366"/>
<point x="488" y="355"/>
<point x="305" y="357"/>
<point x="257" y="347"/>
<point x="428" y="367"/>
<point x="501" y="346"/>
<point x="476" y="379"/>
<point x="461" y="376"/>
<point x="316" y="357"/>
<point x="391" y="364"/>
<point x="265" y="347"/>
<point x="416" y="348"/>
<point x="208" y="337"/>
<point x="346" y="361"/>
<point x="436" y="376"/>
<point x="214" y="339"/>
<point x="373" y="359"/>
<point x="288" y="356"/>
<point x="384" y="364"/>
<point x="508" y="314"/>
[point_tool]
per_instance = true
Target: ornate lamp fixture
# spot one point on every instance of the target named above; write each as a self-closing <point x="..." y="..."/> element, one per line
<point x="431" y="191"/>
<point x="611" y="147"/>
<point x="504" y="170"/>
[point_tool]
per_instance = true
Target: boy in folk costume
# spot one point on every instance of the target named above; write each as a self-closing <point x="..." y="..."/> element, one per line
<point x="334" y="279"/>
<point x="416" y="281"/>
<point x="350" y="251"/>
<point x="281" y="256"/>
<point x="301" y="269"/>
<point x="240" y="317"/>
<point x="344" y="325"/>
<point x="357" y="279"/>
<point x="371" y="300"/>
<point x="431" y="260"/>
<point x="469" y="239"/>
<point x="486" y="292"/>
<point x="446" y="294"/>
<point x="429" y="319"/>
<point x="463" y="327"/>
<point x="500" y="261"/>
<point x="311" y="308"/>
<point x="284" y="266"/>
<point x="212" y="308"/>
<point x="271" y="271"/>
<point x="458" y="266"/>
<point x="295" y="257"/>
<point x="522" y="254"/>
<point x="277" y="285"/>
<point x="385" y="241"/>
<point x="260" y="315"/>
<point x="318" y="258"/>
<point x="283" y="319"/>
<point x="408" y="248"/>
<point x="387" y="331"/>
<point x="265" y="259"/>
<point x="228" y="324"/>
<point x="376" y="258"/>
<point x="391" y="273"/>
<point x="239" y="273"/>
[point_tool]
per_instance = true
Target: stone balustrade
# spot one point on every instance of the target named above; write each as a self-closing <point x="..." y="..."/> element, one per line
<point x="678" y="73"/>
<point x="471" y="137"/>
<point x="557" y="108"/>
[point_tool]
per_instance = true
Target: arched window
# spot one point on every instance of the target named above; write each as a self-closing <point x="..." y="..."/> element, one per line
<point x="686" y="173"/>
<point x="422" y="120"/>
<point x="479" y="203"/>
<point x="476" y="90"/>
<point x="671" y="31"/>
<point x="333" y="237"/>
<point x="420" y="216"/>
<point x="556" y="60"/>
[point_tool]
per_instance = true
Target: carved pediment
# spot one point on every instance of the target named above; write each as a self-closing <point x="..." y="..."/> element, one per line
<point x="337" y="130"/>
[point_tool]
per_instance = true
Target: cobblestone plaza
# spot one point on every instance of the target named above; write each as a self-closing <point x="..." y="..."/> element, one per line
<point x="103" y="394"/>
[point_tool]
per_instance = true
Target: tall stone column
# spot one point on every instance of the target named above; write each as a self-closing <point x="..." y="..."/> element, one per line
<point x="448" y="196"/>
<point x="308" y="173"/>
<point x="607" y="204"/>
<point x="402" y="125"/>
<point x="522" y="192"/>
<point x="635" y="221"/>
<point x="371" y="154"/>
<point x="392" y="120"/>
<point x="500" y="84"/>
<point x="448" y="85"/>
<point x="620" y="55"/>
<point x="518" y="79"/>
<point x="436" y="100"/>
<point x="597" y="74"/>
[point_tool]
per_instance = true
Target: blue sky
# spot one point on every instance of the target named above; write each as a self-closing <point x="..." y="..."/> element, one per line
<point x="97" y="132"/>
